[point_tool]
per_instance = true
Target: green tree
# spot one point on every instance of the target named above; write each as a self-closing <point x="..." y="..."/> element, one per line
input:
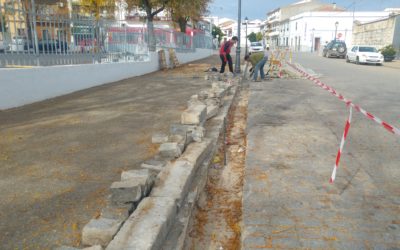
<point x="217" y="31"/>
<point x="97" y="7"/>
<point x="184" y="10"/>
<point x="252" y="37"/>
<point x="152" y="8"/>
<point x="259" y="36"/>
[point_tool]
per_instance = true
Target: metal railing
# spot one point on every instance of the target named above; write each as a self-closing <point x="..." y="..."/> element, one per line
<point x="52" y="34"/>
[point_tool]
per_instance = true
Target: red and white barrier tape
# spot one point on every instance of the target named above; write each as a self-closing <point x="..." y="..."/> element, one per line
<point x="386" y="125"/>
<point x="346" y="131"/>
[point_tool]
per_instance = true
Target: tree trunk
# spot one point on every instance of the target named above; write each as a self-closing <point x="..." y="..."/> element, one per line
<point x="150" y="33"/>
<point x="182" y="24"/>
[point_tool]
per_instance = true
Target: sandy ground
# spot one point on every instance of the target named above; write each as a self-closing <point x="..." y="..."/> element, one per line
<point x="59" y="157"/>
<point x="217" y="219"/>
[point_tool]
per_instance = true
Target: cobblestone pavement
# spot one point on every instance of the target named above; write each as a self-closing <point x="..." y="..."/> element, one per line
<point x="59" y="157"/>
<point x="294" y="131"/>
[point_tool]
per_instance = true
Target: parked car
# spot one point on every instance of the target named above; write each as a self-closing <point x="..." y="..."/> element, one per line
<point x="49" y="46"/>
<point x="364" y="54"/>
<point x="335" y="48"/>
<point x="255" y="47"/>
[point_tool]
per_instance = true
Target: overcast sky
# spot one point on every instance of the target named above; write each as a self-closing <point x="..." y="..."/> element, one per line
<point x="257" y="9"/>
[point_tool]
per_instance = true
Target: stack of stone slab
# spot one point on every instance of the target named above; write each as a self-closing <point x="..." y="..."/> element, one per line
<point x="162" y="59"/>
<point x="173" y="59"/>
<point x="138" y="216"/>
<point x="125" y="196"/>
<point x="187" y="149"/>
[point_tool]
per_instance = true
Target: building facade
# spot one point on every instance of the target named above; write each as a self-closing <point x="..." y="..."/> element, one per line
<point x="310" y="31"/>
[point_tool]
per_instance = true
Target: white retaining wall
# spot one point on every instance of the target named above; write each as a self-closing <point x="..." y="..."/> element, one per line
<point x="21" y="86"/>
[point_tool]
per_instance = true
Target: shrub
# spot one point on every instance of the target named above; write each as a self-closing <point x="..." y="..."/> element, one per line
<point x="388" y="50"/>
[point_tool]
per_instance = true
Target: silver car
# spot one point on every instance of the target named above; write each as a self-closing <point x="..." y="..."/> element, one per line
<point x="256" y="47"/>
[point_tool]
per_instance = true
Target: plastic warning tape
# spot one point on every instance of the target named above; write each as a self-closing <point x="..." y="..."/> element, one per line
<point x="346" y="131"/>
<point x="386" y="125"/>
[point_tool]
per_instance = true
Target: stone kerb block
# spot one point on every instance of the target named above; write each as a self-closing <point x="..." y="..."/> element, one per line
<point x="220" y="85"/>
<point x="212" y="110"/>
<point x="181" y="139"/>
<point x="117" y="212"/>
<point x="215" y="76"/>
<point x="181" y="129"/>
<point x="194" y="102"/>
<point x="197" y="152"/>
<point x="139" y="175"/>
<point x="128" y="191"/>
<point x="147" y="227"/>
<point x="198" y="133"/>
<point x="100" y="231"/>
<point x="97" y="247"/>
<point x="66" y="248"/>
<point x="174" y="182"/>
<point x="153" y="165"/>
<point x="170" y="149"/>
<point x="219" y="93"/>
<point x="194" y="115"/>
<point x="203" y="95"/>
<point x="135" y="173"/>
<point x="159" y="138"/>
<point x="177" y="178"/>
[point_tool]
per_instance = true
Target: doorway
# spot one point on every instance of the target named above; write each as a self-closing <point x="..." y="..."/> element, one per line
<point x="317" y="43"/>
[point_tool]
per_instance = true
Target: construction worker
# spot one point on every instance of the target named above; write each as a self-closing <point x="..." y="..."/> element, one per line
<point x="224" y="54"/>
<point x="258" y="61"/>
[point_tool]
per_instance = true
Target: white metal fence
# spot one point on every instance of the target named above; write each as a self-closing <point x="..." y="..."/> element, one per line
<point x="45" y="34"/>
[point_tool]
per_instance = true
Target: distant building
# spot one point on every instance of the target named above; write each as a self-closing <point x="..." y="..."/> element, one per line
<point x="277" y="28"/>
<point x="308" y="25"/>
<point x="253" y="26"/>
<point x="310" y="31"/>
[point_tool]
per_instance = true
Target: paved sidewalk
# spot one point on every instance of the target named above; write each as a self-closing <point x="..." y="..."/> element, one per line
<point x="393" y="64"/>
<point x="59" y="157"/>
<point x="288" y="202"/>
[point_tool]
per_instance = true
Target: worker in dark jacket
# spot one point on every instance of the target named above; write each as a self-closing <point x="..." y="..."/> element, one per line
<point x="224" y="54"/>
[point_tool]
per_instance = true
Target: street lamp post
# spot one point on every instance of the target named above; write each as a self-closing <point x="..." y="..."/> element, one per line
<point x="336" y="26"/>
<point x="247" y="22"/>
<point x="237" y="64"/>
<point x="313" y="40"/>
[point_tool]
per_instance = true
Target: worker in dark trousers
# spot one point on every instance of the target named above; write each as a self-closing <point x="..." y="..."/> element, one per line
<point x="224" y="54"/>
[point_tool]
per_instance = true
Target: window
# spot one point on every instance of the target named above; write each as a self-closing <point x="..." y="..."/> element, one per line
<point x="45" y="34"/>
<point x="21" y="32"/>
<point x="367" y="49"/>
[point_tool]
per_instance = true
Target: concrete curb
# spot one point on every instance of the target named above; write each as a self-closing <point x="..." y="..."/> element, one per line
<point x="161" y="220"/>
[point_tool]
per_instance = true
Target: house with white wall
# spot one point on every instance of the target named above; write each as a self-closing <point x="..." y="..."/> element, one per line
<point x="277" y="28"/>
<point x="252" y="26"/>
<point x="309" y="31"/>
<point x="230" y="28"/>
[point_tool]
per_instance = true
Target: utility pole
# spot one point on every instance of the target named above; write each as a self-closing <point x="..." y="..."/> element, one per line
<point x="237" y="64"/>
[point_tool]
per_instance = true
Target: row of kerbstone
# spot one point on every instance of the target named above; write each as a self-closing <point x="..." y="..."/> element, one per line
<point x="150" y="223"/>
<point x="129" y="209"/>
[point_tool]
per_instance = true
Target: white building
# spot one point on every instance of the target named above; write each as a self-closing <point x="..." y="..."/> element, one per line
<point x="278" y="19"/>
<point x="309" y="31"/>
<point x="251" y="26"/>
<point x="230" y="28"/>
